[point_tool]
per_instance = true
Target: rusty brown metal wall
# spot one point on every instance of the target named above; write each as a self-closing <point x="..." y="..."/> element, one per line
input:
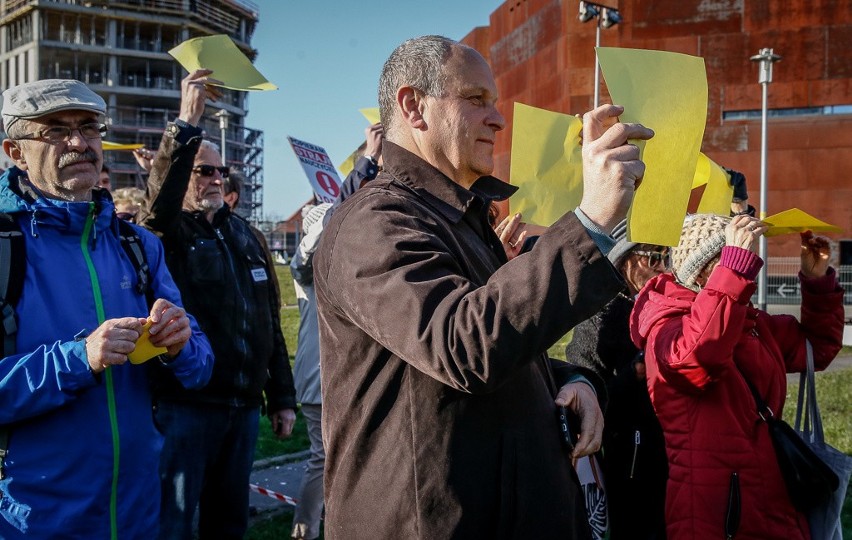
<point x="543" y="56"/>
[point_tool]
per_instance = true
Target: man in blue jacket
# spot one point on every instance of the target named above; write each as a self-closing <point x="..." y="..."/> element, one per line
<point x="83" y="451"/>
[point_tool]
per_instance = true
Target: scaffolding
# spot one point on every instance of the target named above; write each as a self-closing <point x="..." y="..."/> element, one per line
<point x="120" y="49"/>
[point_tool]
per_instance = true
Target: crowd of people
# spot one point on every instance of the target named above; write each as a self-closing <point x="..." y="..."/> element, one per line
<point x="433" y="409"/>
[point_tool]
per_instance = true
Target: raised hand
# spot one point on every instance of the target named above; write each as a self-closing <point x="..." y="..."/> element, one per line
<point x="816" y="252"/>
<point x="612" y="169"/>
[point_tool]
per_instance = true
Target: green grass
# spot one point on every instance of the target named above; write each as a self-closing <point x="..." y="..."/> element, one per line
<point x="268" y="445"/>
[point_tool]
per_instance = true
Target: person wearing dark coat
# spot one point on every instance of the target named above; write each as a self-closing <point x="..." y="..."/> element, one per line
<point x="439" y="402"/>
<point x="634" y="454"/>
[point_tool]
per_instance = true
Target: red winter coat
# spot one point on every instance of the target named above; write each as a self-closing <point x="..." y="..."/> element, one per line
<point x="697" y="348"/>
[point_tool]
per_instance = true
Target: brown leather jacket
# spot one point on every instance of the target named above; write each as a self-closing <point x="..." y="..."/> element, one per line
<point x="438" y="414"/>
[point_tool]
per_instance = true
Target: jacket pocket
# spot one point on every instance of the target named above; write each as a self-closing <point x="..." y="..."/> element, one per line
<point x="732" y="516"/>
<point x="206" y="262"/>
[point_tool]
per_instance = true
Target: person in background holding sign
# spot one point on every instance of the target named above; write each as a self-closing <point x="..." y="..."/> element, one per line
<point x="75" y="419"/>
<point x="705" y="345"/>
<point x="306" y="519"/>
<point x="440" y="407"/>
<point x="226" y="279"/>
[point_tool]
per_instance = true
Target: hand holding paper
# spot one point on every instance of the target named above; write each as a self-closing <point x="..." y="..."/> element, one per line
<point x="816" y="252"/>
<point x="611" y="166"/>
<point x="145" y="350"/>
<point x="169" y="326"/>
<point x="195" y="90"/>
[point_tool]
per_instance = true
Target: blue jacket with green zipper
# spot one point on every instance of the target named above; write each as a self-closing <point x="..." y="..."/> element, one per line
<point x="83" y="451"/>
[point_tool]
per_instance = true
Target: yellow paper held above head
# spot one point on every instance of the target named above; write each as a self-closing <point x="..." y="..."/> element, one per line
<point x="547" y="164"/>
<point x="666" y="92"/>
<point x="348" y="164"/>
<point x="719" y="191"/>
<point x="109" y="145"/>
<point x="144" y="350"/>
<point x="795" y="220"/>
<point x="371" y="114"/>
<point x="228" y="63"/>
<point x="702" y="171"/>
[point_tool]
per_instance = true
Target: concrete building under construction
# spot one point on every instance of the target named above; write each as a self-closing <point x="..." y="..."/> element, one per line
<point x="120" y="49"/>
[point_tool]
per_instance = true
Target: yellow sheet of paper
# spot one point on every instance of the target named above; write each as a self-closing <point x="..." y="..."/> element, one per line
<point x="372" y="115"/>
<point x="719" y="191"/>
<point x="702" y="171"/>
<point x="795" y="220"/>
<point x="144" y="351"/>
<point x="109" y="145"/>
<point x="547" y="165"/>
<point x="220" y="54"/>
<point x="666" y="92"/>
<point x="348" y="164"/>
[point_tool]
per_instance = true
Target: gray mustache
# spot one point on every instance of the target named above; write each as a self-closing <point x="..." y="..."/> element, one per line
<point x="70" y="158"/>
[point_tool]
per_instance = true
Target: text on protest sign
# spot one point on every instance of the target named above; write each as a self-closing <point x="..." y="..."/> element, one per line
<point x="318" y="167"/>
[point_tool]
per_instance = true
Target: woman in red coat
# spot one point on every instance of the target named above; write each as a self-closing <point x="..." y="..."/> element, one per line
<point x="703" y="339"/>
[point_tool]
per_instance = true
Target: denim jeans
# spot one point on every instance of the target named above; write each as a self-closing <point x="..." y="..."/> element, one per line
<point x="206" y="462"/>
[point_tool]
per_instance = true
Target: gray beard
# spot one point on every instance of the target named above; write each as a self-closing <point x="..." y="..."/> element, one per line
<point x="209" y="206"/>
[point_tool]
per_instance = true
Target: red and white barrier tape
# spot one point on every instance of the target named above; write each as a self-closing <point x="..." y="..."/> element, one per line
<point x="273" y="494"/>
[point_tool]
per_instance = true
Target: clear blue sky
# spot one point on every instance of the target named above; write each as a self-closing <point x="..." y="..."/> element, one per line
<point x="325" y="56"/>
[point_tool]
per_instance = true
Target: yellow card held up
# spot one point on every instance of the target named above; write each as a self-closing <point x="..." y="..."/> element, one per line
<point x="547" y="164"/>
<point x="719" y="191"/>
<point x="702" y="171"/>
<point x="795" y="220"/>
<point x="348" y="164"/>
<point x="109" y="145"/>
<point x="144" y="350"/>
<point x="228" y="63"/>
<point x="666" y="92"/>
<point x="372" y="115"/>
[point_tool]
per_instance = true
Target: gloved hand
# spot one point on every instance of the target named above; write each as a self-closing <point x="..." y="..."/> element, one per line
<point x="738" y="182"/>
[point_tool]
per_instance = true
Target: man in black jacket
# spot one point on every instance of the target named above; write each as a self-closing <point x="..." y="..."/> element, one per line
<point x="226" y="280"/>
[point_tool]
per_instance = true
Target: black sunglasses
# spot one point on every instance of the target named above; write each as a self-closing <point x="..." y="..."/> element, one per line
<point x="210" y="170"/>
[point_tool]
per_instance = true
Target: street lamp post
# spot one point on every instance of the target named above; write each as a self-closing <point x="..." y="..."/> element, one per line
<point x="765" y="58"/>
<point x="223" y="117"/>
<point x="605" y="17"/>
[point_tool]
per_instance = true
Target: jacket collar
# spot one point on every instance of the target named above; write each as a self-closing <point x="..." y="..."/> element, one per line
<point x="448" y="197"/>
<point x="17" y="194"/>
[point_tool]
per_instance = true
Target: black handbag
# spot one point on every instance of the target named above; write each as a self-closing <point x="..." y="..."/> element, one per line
<point x="810" y="482"/>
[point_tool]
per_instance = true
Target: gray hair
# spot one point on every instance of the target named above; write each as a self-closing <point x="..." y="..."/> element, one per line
<point x="209" y="145"/>
<point x="18" y="129"/>
<point x="418" y="62"/>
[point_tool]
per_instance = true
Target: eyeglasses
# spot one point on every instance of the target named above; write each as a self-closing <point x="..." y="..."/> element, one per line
<point x="57" y="134"/>
<point x="655" y="258"/>
<point x="210" y="170"/>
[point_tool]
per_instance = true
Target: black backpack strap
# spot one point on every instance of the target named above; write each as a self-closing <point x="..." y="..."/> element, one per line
<point x="135" y="250"/>
<point x="12" y="267"/>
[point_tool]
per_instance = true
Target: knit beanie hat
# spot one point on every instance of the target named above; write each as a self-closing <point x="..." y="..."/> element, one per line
<point x="701" y="240"/>
<point x="622" y="245"/>
<point x="313" y="215"/>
